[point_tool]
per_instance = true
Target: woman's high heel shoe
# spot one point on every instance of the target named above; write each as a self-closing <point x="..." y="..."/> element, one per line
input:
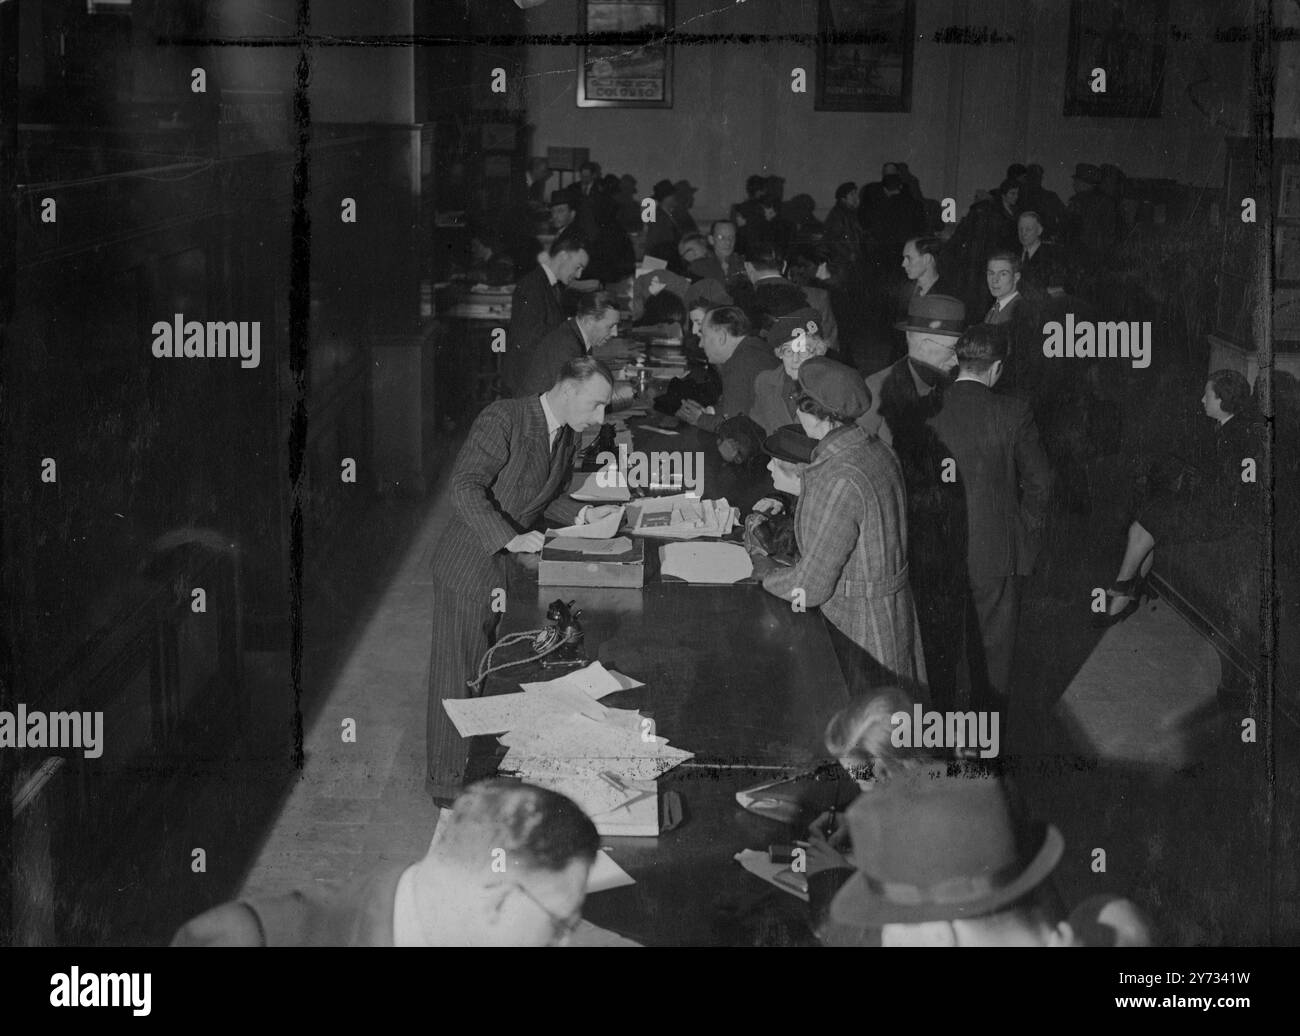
<point x="1134" y="589"/>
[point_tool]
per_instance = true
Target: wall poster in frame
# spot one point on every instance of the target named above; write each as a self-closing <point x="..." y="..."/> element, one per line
<point x="1125" y="39"/>
<point x="864" y="55"/>
<point x="630" y="73"/>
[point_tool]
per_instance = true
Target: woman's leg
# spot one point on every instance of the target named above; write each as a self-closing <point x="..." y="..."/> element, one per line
<point x="1138" y="555"/>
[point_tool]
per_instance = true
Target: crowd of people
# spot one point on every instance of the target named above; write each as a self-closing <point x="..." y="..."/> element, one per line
<point x="887" y="369"/>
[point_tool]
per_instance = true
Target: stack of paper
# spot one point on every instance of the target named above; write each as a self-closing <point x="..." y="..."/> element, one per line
<point x="681" y="517"/>
<point x="559" y="736"/>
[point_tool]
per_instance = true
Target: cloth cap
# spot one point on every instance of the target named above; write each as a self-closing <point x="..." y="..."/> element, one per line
<point x="834" y="386"/>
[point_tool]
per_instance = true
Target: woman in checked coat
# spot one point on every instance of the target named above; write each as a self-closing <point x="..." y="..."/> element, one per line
<point x="851" y="528"/>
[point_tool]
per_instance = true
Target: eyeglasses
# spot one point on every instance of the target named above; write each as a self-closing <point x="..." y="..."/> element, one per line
<point x="562" y="928"/>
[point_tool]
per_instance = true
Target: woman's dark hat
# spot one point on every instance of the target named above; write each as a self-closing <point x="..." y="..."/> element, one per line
<point x="932" y="848"/>
<point x="936" y="314"/>
<point x="789" y="443"/>
<point x="838" y="388"/>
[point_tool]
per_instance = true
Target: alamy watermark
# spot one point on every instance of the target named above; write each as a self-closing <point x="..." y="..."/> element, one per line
<point x="952" y="730"/>
<point x="36" y="729"/>
<point x="636" y="469"/>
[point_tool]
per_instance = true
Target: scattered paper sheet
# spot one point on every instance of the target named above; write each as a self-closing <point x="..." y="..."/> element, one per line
<point x="579" y="746"/>
<point x="649" y="262"/>
<point x="593" y="680"/>
<point x="498" y="713"/>
<point x="592" y="491"/>
<point x="601" y="529"/>
<point x="606" y="874"/>
<point x="591" y="548"/>
<point x="760" y="865"/>
<point x="625" y="683"/>
<point x="706" y="562"/>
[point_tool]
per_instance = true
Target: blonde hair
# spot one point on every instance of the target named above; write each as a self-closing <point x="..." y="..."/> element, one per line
<point x="863" y="732"/>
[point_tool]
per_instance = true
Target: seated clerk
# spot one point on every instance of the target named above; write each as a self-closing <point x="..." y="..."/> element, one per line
<point x="793" y="339"/>
<point x="537" y="306"/>
<point x="451" y="897"/>
<point x="721" y="263"/>
<point x="594" y="324"/>
<point x="738" y="357"/>
<point x="691" y="249"/>
<point x="946" y="861"/>
<point x="860" y="737"/>
<point x="851" y="527"/>
<point x="663" y="316"/>
<point x="489" y="264"/>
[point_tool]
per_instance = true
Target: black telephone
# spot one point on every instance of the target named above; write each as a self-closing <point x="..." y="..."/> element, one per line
<point x="566" y="628"/>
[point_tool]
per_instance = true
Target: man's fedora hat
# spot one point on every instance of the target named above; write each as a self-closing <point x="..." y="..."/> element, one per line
<point x="937" y="848"/>
<point x="938" y="314"/>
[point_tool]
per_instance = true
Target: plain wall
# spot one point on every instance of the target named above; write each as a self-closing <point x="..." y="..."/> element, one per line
<point x="975" y="109"/>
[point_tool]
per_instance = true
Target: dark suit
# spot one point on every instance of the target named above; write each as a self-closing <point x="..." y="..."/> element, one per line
<point x="560" y="345"/>
<point x="902" y="404"/>
<point x="1046" y="268"/>
<point x="1006" y="482"/>
<point x="999" y="314"/>
<point x="505" y="477"/>
<point x="536" y="307"/>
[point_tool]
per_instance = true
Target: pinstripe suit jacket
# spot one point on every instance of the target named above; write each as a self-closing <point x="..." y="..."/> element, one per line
<point x="851" y="527"/>
<point x="502" y="483"/>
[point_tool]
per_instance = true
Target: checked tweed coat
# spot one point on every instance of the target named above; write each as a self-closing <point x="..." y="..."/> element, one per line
<point x="851" y="527"/>
<point x="505" y="478"/>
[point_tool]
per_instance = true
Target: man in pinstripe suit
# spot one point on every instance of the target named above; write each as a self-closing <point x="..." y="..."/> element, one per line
<point x="511" y="470"/>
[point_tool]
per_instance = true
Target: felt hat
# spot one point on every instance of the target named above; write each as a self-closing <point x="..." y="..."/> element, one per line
<point x="663" y="189"/>
<point x="685" y="187"/>
<point x="564" y="196"/>
<point x="932" y="848"/>
<point x="794" y="327"/>
<point x="838" y="388"/>
<point x="790" y="443"/>
<point x="937" y="314"/>
<point x="709" y="291"/>
<point x="1087" y="172"/>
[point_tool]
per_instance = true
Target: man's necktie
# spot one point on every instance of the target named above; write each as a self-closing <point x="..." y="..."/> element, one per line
<point x="556" y="445"/>
<point x="988" y="319"/>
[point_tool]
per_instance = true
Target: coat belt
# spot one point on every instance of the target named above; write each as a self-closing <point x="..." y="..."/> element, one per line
<point x="879" y="588"/>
